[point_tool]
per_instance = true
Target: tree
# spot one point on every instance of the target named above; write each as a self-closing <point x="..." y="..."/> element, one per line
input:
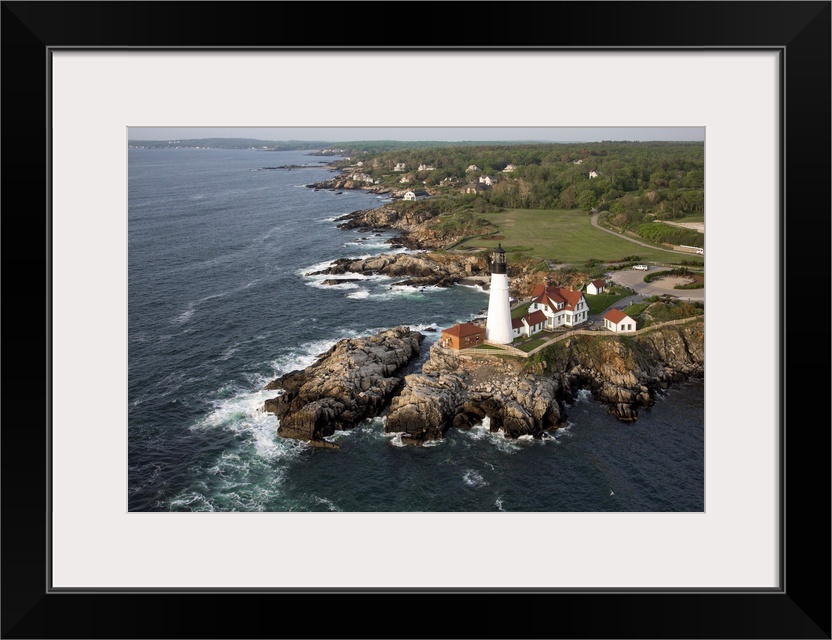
<point x="587" y="200"/>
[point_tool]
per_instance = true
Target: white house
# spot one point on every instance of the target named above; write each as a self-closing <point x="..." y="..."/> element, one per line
<point x="596" y="286"/>
<point x="360" y="163"/>
<point x="472" y="167"/>
<point x="562" y="307"/>
<point x="400" y="166"/>
<point x="415" y="195"/>
<point x="404" y="180"/>
<point x="486" y="180"/>
<point x="426" y="167"/>
<point x="593" y="174"/>
<point x="618" y="321"/>
<point x="361" y="177"/>
<point x="578" y="161"/>
<point x="509" y="168"/>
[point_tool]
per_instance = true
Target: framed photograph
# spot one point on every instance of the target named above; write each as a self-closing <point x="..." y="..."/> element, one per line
<point x="88" y="524"/>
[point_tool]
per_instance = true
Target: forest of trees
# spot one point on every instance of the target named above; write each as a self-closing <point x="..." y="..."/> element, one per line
<point x="632" y="183"/>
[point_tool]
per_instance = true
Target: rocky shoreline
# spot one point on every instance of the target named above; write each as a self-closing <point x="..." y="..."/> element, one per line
<point x="363" y="378"/>
<point x="420" y="270"/>
<point x="351" y="382"/>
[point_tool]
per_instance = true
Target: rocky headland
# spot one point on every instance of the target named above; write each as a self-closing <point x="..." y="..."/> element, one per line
<point x="417" y="227"/>
<point x="457" y="389"/>
<point x="351" y="382"/>
<point x="363" y="378"/>
<point x="420" y="270"/>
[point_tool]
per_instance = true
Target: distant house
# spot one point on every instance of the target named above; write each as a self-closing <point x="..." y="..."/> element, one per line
<point x="400" y="166"/>
<point x="593" y="174"/>
<point x="475" y="187"/>
<point x="415" y="195"/>
<point x="596" y="286"/>
<point x="360" y="163"/>
<point x="361" y="177"/>
<point x="486" y="180"/>
<point x="426" y="167"/>
<point x="578" y="161"/>
<point x="447" y="182"/>
<point x="462" y="336"/>
<point x="562" y="307"/>
<point x="509" y="168"/>
<point x="472" y="167"/>
<point x="618" y="321"/>
<point x="404" y="180"/>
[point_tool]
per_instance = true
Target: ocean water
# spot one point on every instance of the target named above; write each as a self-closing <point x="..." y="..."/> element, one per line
<point x="219" y="305"/>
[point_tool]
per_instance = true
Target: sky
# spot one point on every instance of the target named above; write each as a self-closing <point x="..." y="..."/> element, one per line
<point x="450" y="134"/>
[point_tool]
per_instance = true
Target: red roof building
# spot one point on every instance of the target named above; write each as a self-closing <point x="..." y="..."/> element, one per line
<point x="462" y="336"/>
<point x="619" y="322"/>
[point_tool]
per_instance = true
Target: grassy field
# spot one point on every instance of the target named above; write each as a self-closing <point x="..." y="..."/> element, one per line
<point x="599" y="303"/>
<point x="563" y="236"/>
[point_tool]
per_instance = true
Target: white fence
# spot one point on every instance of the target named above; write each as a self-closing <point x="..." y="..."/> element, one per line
<point x="508" y="350"/>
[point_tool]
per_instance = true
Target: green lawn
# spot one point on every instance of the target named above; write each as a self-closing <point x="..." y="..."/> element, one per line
<point x="531" y="344"/>
<point x="565" y="236"/>
<point x="635" y="310"/>
<point x="520" y="311"/>
<point x="599" y="303"/>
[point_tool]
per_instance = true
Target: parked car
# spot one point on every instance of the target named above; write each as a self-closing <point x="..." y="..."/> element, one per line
<point x="640" y="267"/>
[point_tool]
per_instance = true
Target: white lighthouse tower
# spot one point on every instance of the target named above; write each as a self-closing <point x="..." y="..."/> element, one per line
<point x="498" y="324"/>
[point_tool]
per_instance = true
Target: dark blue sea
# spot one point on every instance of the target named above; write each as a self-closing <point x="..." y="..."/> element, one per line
<point x="219" y="305"/>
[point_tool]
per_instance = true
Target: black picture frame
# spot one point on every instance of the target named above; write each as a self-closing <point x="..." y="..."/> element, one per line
<point x="799" y="31"/>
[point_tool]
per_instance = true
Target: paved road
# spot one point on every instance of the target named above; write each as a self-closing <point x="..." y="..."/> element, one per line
<point x="623" y="236"/>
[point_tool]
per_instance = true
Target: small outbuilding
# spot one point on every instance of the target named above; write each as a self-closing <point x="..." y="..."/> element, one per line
<point x="618" y="322"/>
<point x="596" y="286"/>
<point x="462" y="336"/>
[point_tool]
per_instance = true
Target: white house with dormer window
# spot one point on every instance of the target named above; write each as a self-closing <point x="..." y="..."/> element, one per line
<point x="486" y="180"/>
<point x="426" y="167"/>
<point x="562" y="307"/>
<point x="410" y="196"/>
<point x="400" y="166"/>
<point x="618" y="322"/>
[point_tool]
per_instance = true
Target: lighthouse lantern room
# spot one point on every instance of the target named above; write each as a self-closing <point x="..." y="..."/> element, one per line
<point x="498" y="323"/>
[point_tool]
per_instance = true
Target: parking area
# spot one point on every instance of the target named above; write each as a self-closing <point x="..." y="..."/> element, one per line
<point x="634" y="280"/>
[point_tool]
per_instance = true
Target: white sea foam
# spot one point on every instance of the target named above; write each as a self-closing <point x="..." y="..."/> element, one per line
<point x="473" y="478"/>
<point x="319" y="284"/>
<point x="326" y="501"/>
<point x="192" y="501"/>
<point x="583" y="395"/>
<point x="499" y="504"/>
<point x="186" y="315"/>
<point x="361" y="294"/>
<point x="396" y="438"/>
<point x="482" y="431"/>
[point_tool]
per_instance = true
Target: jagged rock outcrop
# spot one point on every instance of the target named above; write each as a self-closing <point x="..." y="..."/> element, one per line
<point x="414" y="224"/>
<point x="449" y="394"/>
<point x="625" y="372"/>
<point x="344" y="182"/>
<point x="457" y="389"/>
<point x="351" y="382"/>
<point x="424" y="269"/>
